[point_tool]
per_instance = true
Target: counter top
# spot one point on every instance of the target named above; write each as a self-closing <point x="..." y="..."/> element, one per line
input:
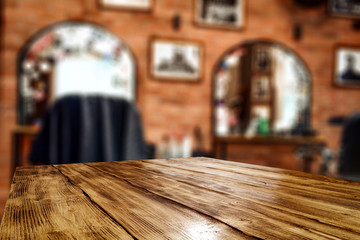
<point x="291" y="140"/>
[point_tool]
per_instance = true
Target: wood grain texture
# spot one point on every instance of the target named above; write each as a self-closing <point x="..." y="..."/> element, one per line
<point x="262" y="205"/>
<point x="42" y="204"/>
<point x="194" y="198"/>
<point x="144" y="214"/>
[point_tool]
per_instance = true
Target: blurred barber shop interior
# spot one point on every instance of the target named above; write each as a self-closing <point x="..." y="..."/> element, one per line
<point x="267" y="82"/>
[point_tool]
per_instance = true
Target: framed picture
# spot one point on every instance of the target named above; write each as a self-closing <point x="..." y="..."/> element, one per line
<point x="141" y="5"/>
<point x="176" y="59"/>
<point x="347" y="66"/>
<point x="220" y="13"/>
<point x="261" y="59"/>
<point x="261" y="89"/>
<point x="344" y="8"/>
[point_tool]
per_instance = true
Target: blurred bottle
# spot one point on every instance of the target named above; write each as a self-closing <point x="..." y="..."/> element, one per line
<point x="199" y="150"/>
<point x="263" y="126"/>
<point x="186" y="146"/>
<point x="175" y="145"/>
<point x="163" y="148"/>
<point x="222" y="119"/>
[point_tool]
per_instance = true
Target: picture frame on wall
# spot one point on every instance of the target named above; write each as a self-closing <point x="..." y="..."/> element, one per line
<point x="176" y="60"/>
<point x="261" y="59"/>
<point x="261" y="88"/>
<point x="347" y="66"/>
<point x="227" y="14"/>
<point x="139" y="5"/>
<point x="344" y="8"/>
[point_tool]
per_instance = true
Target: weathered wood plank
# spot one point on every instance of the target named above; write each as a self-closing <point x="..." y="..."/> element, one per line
<point x="42" y="204"/>
<point x="278" y="177"/>
<point x="325" y="182"/>
<point x="257" y="185"/>
<point x="195" y="198"/>
<point x="227" y="200"/>
<point x="344" y="199"/>
<point x="144" y="214"/>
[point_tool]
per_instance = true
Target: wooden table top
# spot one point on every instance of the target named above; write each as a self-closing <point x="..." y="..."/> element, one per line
<point x="193" y="198"/>
<point x="282" y="140"/>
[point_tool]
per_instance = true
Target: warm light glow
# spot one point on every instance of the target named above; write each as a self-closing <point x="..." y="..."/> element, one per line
<point x="205" y="231"/>
<point x="44" y="67"/>
<point x="28" y="65"/>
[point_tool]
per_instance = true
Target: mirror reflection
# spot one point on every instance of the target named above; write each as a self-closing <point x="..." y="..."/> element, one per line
<point x="72" y="58"/>
<point x="261" y="88"/>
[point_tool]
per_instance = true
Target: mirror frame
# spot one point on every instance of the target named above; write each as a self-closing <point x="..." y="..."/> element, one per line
<point x="20" y="118"/>
<point x="259" y="41"/>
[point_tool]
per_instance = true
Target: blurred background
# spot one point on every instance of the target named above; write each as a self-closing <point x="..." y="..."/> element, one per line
<point x="269" y="82"/>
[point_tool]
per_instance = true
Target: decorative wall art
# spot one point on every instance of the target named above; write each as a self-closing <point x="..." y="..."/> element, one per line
<point x="261" y="57"/>
<point x="220" y="13"/>
<point x="344" y="8"/>
<point x="347" y="66"/>
<point x="261" y="89"/>
<point x="175" y="59"/>
<point x="142" y="5"/>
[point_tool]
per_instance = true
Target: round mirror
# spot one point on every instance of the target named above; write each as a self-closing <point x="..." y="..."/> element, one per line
<point x="72" y="58"/>
<point x="261" y="88"/>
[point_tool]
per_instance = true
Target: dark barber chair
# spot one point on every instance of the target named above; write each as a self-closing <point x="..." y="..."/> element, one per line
<point x="90" y="129"/>
<point x="349" y="159"/>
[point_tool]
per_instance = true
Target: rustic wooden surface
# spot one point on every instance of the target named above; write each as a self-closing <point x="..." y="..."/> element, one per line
<point x="194" y="198"/>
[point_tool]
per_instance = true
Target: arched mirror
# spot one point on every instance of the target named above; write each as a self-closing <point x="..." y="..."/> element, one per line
<point x="261" y="88"/>
<point x="72" y="58"/>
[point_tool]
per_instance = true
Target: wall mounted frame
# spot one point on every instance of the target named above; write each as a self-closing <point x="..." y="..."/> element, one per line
<point x="138" y="5"/>
<point x="225" y="14"/>
<point x="344" y="8"/>
<point x="346" y="70"/>
<point x="176" y="59"/>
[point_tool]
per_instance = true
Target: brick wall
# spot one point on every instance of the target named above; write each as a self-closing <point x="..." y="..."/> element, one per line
<point x="166" y="105"/>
